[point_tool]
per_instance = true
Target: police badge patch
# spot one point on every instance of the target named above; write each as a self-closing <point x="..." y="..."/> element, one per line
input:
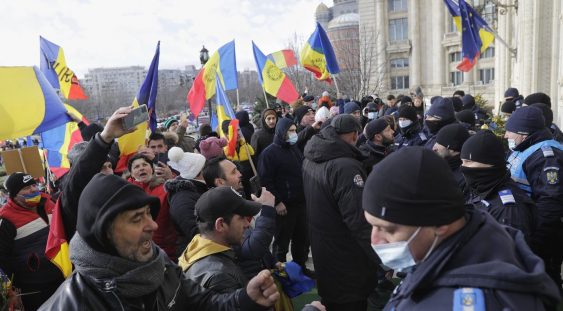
<point x="552" y="176"/>
<point x="359" y="181"/>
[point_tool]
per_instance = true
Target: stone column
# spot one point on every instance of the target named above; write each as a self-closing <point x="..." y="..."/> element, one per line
<point x="439" y="58"/>
<point x="414" y="36"/>
<point x="381" y="51"/>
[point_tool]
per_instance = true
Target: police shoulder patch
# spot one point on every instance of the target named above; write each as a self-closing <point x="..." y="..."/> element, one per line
<point x="551" y="175"/>
<point x="468" y="299"/>
<point x="506" y="197"/>
<point x="422" y="136"/>
<point x="547" y="151"/>
<point x="359" y="181"/>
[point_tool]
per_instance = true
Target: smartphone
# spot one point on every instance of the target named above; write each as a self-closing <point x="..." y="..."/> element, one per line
<point x="255" y="186"/>
<point x="135" y="117"/>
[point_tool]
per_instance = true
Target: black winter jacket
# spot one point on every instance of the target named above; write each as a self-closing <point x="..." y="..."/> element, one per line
<point x="280" y="167"/>
<point x="182" y="196"/>
<point x="175" y="293"/>
<point x="244" y="124"/>
<point x="375" y="153"/>
<point x="333" y="179"/>
<point x="263" y="137"/>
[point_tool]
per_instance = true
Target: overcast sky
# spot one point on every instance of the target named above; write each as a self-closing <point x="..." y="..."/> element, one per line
<point x="102" y="33"/>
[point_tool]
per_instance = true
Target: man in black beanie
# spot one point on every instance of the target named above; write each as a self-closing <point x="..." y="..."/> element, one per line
<point x="537" y="98"/>
<point x="548" y="116"/>
<point x="304" y="118"/>
<point x="379" y="135"/>
<point x="455" y="256"/>
<point x="513" y="95"/>
<point x="469" y="104"/>
<point x="492" y="189"/>
<point x="507" y="108"/>
<point x="535" y="165"/>
<point x="458" y="104"/>
<point x="467" y="119"/>
<point x="333" y="180"/>
<point x="118" y="266"/>
<point x="440" y="114"/>
<point x="410" y="131"/>
<point x="448" y="144"/>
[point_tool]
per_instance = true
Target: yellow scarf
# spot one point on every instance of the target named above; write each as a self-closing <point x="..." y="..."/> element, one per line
<point x="199" y="248"/>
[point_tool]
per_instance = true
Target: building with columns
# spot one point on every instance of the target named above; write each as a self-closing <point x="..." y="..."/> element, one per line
<point x="421" y="47"/>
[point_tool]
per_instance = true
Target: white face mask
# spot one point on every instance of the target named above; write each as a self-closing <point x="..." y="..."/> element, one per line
<point x="292" y="139"/>
<point x="404" y="123"/>
<point x="397" y="256"/>
<point x="371" y="115"/>
<point x="511" y="144"/>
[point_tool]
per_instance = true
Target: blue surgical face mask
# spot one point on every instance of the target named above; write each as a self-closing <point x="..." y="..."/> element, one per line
<point x="292" y="139"/>
<point x="314" y="106"/>
<point x="397" y="255"/>
<point x="372" y="115"/>
<point x="511" y="144"/>
<point x="404" y="123"/>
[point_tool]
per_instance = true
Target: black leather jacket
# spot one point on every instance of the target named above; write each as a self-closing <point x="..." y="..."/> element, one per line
<point x="218" y="272"/>
<point x="80" y="292"/>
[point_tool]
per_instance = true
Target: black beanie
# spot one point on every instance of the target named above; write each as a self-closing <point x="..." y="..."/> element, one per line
<point x="538" y="98"/>
<point x="452" y="136"/>
<point x="511" y="92"/>
<point x="443" y="109"/>
<point x="422" y="192"/>
<point x="102" y="200"/>
<point x="89" y="131"/>
<point x="406" y="100"/>
<point x="408" y="112"/>
<point x="458" y="104"/>
<point x="546" y="112"/>
<point x="346" y="123"/>
<point x="525" y="121"/>
<point x="508" y="107"/>
<point x="468" y="101"/>
<point x="17" y="181"/>
<point x="459" y="93"/>
<point x="375" y="127"/>
<point x="466" y="116"/>
<point x="484" y="147"/>
<point x="300" y="112"/>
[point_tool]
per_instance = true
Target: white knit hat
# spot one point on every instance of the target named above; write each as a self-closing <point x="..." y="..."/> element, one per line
<point x="187" y="163"/>
<point x="322" y="114"/>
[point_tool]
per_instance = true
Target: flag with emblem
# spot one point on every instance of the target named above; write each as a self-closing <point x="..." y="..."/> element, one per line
<point x="318" y="56"/>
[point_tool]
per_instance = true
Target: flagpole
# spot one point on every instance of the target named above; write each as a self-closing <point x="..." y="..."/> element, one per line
<point x="238" y="100"/>
<point x="335" y="84"/>
<point x="511" y="50"/>
<point x="265" y="97"/>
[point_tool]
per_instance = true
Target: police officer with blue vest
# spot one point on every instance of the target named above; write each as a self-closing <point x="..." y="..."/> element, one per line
<point x="456" y="257"/>
<point x="492" y="189"/>
<point x="535" y="164"/>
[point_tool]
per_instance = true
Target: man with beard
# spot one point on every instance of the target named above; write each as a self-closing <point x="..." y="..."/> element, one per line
<point x="118" y="266"/>
<point x="263" y="137"/>
<point x="448" y="146"/>
<point x="410" y="131"/>
<point x="440" y="114"/>
<point x="492" y="189"/>
<point x="379" y="135"/>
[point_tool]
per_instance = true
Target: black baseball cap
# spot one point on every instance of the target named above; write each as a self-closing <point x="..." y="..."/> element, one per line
<point x="223" y="201"/>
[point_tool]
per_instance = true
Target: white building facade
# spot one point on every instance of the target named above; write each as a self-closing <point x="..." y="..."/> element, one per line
<point x="422" y="47"/>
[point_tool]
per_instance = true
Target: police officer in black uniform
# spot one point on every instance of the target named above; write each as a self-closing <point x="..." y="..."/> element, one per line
<point x="492" y="189"/>
<point x="456" y="257"/>
<point x="535" y="165"/>
<point x="411" y="133"/>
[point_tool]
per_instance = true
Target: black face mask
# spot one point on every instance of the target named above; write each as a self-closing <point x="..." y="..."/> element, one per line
<point x="483" y="180"/>
<point x="433" y="126"/>
<point x="454" y="162"/>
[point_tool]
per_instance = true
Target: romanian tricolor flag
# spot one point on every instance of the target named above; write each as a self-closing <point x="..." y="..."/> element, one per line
<point x="225" y="112"/>
<point x="318" y="55"/>
<point x="222" y="63"/>
<point x="283" y="58"/>
<point x="57" y="143"/>
<point x="53" y="65"/>
<point x="57" y="244"/>
<point x="130" y="143"/>
<point x="273" y="80"/>
<point x="28" y="103"/>
<point x="476" y="35"/>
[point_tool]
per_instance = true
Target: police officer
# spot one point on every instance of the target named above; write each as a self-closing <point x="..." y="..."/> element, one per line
<point x="535" y="164"/>
<point x="456" y="257"/>
<point x="411" y="133"/>
<point x="492" y="189"/>
<point x="440" y="114"/>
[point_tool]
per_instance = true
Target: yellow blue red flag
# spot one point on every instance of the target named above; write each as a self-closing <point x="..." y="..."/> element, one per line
<point x="476" y="35"/>
<point x="28" y="103"/>
<point x="273" y="80"/>
<point x="222" y="63"/>
<point x="318" y="55"/>
<point x="57" y="249"/>
<point x="53" y="65"/>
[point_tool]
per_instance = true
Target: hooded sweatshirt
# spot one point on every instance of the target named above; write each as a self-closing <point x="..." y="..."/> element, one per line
<point x="244" y="124"/>
<point x="263" y="137"/>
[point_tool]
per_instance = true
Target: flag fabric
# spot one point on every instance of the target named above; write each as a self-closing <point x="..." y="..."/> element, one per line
<point x="222" y="63"/>
<point x="273" y="80"/>
<point x="318" y="55"/>
<point x="53" y="65"/>
<point x="57" y="142"/>
<point x="57" y="244"/>
<point x="29" y="104"/>
<point x="233" y="138"/>
<point x="225" y="112"/>
<point x="476" y="35"/>
<point x="130" y="143"/>
<point x="283" y="58"/>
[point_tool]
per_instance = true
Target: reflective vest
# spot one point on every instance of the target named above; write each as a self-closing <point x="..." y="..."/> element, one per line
<point x="517" y="159"/>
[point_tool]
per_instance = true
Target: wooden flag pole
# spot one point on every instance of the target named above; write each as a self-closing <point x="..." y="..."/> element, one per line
<point x="335" y="84"/>
<point x="265" y="97"/>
